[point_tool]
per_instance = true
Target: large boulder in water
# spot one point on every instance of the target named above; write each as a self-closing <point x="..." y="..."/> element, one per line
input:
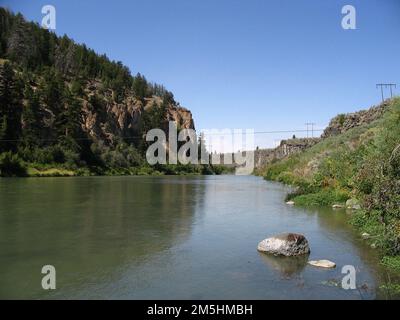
<point x="286" y="244"/>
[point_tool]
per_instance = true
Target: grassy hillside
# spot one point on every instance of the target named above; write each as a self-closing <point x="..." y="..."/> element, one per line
<point x="361" y="164"/>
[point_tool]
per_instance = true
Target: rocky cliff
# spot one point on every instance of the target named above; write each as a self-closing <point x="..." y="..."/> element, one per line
<point x="338" y="125"/>
<point x="345" y="122"/>
<point x="54" y="91"/>
<point x="109" y="120"/>
<point x="65" y="106"/>
<point x="263" y="157"/>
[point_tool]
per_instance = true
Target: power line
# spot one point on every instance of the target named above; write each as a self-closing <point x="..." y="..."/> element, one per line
<point x="312" y="124"/>
<point x="141" y="137"/>
<point x="269" y="132"/>
<point x="386" y="85"/>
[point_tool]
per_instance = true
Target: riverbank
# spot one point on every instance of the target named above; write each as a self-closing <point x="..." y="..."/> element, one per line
<point x="362" y="164"/>
<point x="12" y="166"/>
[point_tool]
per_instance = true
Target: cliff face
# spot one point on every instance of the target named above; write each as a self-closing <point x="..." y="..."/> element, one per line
<point x="338" y="125"/>
<point x="345" y="122"/>
<point x="109" y="120"/>
<point x="182" y="116"/>
<point x="64" y="105"/>
<point x="60" y="90"/>
<point x="263" y="157"/>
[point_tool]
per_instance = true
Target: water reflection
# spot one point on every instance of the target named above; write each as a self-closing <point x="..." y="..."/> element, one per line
<point x="89" y="228"/>
<point x="287" y="267"/>
<point x="336" y="224"/>
<point x="169" y="237"/>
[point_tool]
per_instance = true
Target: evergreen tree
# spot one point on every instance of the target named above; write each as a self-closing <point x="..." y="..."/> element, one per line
<point x="10" y="108"/>
<point x="70" y="118"/>
<point x="44" y="84"/>
<point x="51" y="90"/>
<point x="31" y="118"/>
<point x="139" y="86"/>
<point x="21" y="46"/>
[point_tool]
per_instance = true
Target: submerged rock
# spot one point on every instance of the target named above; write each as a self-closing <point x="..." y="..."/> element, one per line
<point x="331" y="283"/>
<point x="322" y="264"/>
<point x="286" y="244"/>
<point x="338" y="206"/>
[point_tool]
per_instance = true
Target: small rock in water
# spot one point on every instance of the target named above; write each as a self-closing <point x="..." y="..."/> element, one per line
<point x="364" y="286"/>
<point x="365" y="236"/>
<point x="353" y="204"/>
<point x="322" y="264"/>
<point x="290" y="203"/>
<point x="331" y="283"/>
<point x="338" y="206"/>
<point x="286" y="244"/>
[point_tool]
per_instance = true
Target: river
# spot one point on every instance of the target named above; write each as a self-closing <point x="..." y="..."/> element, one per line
<point x="171" y="238"/>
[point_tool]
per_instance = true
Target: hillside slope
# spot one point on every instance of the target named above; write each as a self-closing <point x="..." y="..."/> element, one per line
<point x="359" y="162"/>
<point x="65" y="109"/>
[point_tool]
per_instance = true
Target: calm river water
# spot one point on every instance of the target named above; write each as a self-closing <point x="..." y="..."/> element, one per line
<point x="171" y="238"/>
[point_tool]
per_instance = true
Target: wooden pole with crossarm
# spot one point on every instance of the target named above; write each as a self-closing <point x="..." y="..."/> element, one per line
<point x="386" y="85"/>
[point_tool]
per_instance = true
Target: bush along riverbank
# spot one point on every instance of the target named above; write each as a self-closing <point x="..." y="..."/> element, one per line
<point x="11" y="165"/>
<point x="361" y="164"/>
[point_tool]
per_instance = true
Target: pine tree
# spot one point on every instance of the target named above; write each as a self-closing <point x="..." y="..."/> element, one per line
<point x="10" y="108"/>
<point x="21" y="46"/>
<point x="31" y="118"/>
<point x="139" y="86"/>
<point x="51" y="90"/>
<point x="73" y="116"/>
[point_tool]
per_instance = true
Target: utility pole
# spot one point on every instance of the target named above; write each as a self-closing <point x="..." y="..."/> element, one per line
<point x="312" y="124"/>
<point x="386" y="85"/>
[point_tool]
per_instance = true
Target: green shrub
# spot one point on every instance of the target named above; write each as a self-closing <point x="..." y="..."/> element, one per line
<point x="392" y="263"/>
<point x="220" y="169"/>
<point x="341" y="118"/>
<point x="11" y="165"/>
<point x="325" y="197"/>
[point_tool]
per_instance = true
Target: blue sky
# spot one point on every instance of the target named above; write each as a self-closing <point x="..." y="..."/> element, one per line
<point x="268" y="65"/>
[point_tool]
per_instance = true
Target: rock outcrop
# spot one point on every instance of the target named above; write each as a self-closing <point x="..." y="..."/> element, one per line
<point x="182" y="116"/>
<point x="262" y="157"/>
<point x="345" y="122"/>
<point x="338" y="125"/>
<point x="286" y="244"/>
<point x="109" y="121"/>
